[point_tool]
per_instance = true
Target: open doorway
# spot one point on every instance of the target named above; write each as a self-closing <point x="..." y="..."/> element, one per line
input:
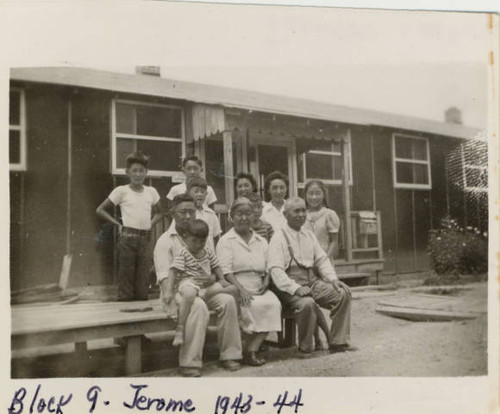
<point x="272" y="155"/>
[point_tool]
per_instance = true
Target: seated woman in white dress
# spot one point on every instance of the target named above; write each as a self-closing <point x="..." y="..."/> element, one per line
<point x="242" y="257"/>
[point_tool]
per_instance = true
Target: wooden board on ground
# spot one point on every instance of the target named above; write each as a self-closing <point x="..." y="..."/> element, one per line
<point x="413" y="314"/>
<point x="422" y="302"/>
<point x="373" y="287"/>
<point x="65" y="271"/>
<point x="371" y="294"/>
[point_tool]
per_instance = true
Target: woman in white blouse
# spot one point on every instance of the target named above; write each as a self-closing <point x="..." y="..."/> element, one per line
<point x="242" y="257"/>
<point x="276" y="185"/>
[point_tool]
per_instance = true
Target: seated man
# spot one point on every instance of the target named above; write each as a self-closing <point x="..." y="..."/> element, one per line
<point x="169" y="246"/>
<point x="292" y="255"/>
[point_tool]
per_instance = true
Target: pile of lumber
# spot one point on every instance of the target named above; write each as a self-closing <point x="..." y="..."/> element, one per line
<point x="43" y="293"/>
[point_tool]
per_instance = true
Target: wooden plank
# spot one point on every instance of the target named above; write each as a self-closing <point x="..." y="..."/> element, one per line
<point x="133" y="355"/>
<point x="65" y="271"/>
<point x="365" y="249"/>
<point x="379" y="236"/>
<point x="372" y="287"/>
<point x="56" y="337"/>
<point x="424" y="314"/>
<point x="353" y="275"/>
<point x="52" y="287"/>
<point x="228" y="166"/>
<point x="418" y="302"/>
<point x="441" y="288"/>
<point x="371" y="294"/>
<point x="80" y="349"/>
<point x="346" y="196"/>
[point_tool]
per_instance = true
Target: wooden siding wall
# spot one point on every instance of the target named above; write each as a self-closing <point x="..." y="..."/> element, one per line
<point x="39" y="196"/>
<point x="44" y="204"/>
<point x="407" y="215"/>
<point x="91" y="242"/>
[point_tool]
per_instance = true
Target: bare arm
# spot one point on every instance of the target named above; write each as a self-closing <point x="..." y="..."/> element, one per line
<point x="244" y="295"/>
<point x="167" y="296"/>
<point x="102" y="212"/>
<point x="333" y="246"/>
<point x="216" y="240"/>
<point x="158" y="214"/>
<point x="167" y="286"/>
<point x="220" y="276"/>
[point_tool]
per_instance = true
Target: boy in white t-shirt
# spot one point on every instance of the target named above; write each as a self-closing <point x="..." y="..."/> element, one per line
<point x="196" y="187"/>
<point x="136" y="202"/>
<point x="192" y="167"/>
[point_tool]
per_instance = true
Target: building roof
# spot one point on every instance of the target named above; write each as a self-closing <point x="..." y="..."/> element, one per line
<point x="233" y="98"/>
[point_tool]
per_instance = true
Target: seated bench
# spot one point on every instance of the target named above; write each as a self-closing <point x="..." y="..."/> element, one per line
<point x="42" y="325"/>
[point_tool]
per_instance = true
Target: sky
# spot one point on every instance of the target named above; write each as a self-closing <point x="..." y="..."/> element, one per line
<point x="410" y="63"/>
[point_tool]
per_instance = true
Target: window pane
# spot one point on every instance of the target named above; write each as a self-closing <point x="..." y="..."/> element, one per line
<point x="125" y="118"/>
<point x="320" y="145"/>
<point x="404" y="173"/>
<point x="419" y="149"/>
<point x="124" y="147"/>
<point x="14" y="147"/>
<point x="407" y="173"/>
<point x="420" y="174"/>
<point x="159" y="122"/>
<point x="163" y="156"/>
<point x="319" y="166"/>
<point x="15" y="108"/>
<point x="412" y="149"/>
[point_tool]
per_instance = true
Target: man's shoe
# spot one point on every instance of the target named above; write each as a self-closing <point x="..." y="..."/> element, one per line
<point x="230" y="365"/>
<point x="342" y="348"/>
<point x="304" y="354"/>
<point x="190" y="372"/>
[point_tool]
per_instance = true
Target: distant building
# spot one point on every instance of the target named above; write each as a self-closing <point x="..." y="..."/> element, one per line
<point x="71" y="128"/>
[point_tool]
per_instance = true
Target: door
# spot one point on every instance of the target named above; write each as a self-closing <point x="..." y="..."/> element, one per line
<point x="271" y="156"/>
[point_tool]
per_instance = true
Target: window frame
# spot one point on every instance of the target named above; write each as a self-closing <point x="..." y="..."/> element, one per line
<point x="115" y="135"/>
<point x="396" y="160"/>
<point x="22" y="165"/>
<point x="465" y="166"/>
<point x="333" y="154"/>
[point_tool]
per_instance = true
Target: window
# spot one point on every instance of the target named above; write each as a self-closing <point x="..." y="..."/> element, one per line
<point x="322" y="160"/>
<point x="17" y="130"/>
<point x="155" y="130"/>
<point x="475" y="166"/>
<point x="411" y="162"/>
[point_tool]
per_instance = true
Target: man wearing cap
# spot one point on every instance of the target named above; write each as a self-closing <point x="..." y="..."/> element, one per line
<point x="304" y="279"/>
<point x="167" y="247"/>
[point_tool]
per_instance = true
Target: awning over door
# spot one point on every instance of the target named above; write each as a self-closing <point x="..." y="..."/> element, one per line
<point x="207" y="120"/>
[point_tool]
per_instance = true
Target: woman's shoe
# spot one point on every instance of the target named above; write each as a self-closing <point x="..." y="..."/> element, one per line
<point x="253" y="360"/>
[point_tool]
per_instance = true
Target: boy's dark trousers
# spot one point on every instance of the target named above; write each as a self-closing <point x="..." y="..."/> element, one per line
<point x="134" y="263"/>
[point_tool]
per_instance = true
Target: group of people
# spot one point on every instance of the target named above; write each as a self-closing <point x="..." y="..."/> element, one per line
<point x="278" y="254"/>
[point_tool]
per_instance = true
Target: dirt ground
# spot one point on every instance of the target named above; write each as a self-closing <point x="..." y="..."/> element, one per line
<point x="388" y="347"/>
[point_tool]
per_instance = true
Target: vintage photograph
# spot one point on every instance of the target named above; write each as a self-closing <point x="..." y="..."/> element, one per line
<point x="313" y="219"/>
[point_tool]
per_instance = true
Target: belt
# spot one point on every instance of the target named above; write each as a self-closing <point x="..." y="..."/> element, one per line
<point x="131" y="230"/>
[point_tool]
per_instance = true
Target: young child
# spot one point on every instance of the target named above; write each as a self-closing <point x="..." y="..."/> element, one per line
<point x="192" y="167"/>
<point x="136" y="202"/>
<point x="196" y="187"/>
<point x="260" y="226"/>
<point x="191" y="275"/>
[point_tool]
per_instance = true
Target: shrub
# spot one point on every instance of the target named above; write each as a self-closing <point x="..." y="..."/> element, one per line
<point x="456" y="250"/>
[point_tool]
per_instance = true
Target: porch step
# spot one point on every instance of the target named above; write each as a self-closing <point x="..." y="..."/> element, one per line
<point x="355" y="279"/>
